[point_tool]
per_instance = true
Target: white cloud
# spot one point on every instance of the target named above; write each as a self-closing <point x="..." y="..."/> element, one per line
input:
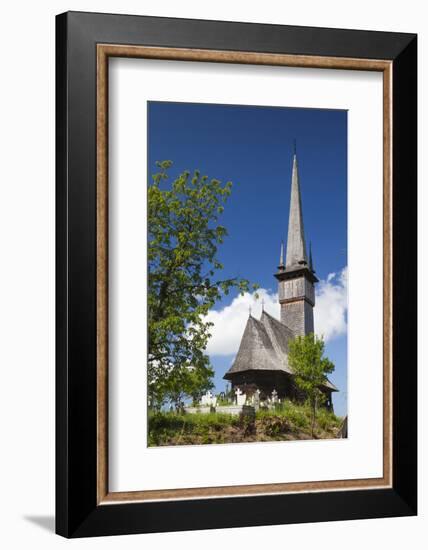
<point x="332" y="305"/>
<point x="229" y="322"/>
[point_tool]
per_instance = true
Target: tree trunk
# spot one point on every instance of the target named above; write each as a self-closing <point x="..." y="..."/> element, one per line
<point x="314" y="412"/>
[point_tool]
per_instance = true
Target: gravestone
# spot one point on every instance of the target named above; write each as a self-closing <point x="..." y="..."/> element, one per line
<point x="208" y="400"/>
<point x="255" y="399"/>
<point x="241" y="398"/>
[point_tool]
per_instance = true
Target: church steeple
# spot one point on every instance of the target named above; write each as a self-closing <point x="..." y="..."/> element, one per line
<point x="296" y="279"/>
<point x="296" y="246"/>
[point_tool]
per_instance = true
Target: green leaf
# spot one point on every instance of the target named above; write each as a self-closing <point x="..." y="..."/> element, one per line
<point x="183" y="240"/>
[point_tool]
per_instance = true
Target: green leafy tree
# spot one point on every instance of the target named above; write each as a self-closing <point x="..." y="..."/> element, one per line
<point x="183" y="382"/>
<point x="306" y="358"/>
<point x="184" y="282"/>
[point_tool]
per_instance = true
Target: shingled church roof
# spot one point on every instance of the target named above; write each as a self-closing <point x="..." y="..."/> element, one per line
<point x="264" y="346"/>
<point x="256" y="351"/>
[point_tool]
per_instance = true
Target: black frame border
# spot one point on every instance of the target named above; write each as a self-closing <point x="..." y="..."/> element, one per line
<point x="77" y="513"/>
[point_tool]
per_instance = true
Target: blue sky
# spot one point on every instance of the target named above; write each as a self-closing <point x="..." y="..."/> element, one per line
<point x="253" y="147"/>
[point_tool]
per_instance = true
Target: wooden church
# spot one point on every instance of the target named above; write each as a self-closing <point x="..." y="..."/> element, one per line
<point x="262" y="359"/>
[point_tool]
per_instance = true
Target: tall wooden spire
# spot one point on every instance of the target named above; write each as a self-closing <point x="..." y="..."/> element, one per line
<point x="296" y="279"/>
<point x="296" y="246"/>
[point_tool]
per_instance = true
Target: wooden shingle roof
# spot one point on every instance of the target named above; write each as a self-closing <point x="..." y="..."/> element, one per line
<point x="256" y="351"/>
<point x="264" y="347"/>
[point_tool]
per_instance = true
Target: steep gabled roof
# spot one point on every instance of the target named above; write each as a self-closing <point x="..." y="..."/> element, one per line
<point x="330" y="385"/>
<point x="264" y="346"/>
<point x="279" y="334"/>
<point x="256" y="351"/>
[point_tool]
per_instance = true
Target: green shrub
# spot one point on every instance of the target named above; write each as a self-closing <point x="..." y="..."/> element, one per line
<point x="298" y="416"/>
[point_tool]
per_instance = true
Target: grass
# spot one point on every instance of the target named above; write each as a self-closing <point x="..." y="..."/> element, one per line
<point x="297" y="415"/>
<point x="169" y="428"/>
<point x="288" y="421"/>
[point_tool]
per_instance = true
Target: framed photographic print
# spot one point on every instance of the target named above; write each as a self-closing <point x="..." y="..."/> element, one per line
<point x="236" y="274"/>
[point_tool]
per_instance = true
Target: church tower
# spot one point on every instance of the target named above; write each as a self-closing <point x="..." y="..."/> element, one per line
<point x="296" y="278"/>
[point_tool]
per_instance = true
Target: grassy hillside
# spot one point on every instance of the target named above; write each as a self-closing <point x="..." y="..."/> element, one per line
<point x="289" y="421"/>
